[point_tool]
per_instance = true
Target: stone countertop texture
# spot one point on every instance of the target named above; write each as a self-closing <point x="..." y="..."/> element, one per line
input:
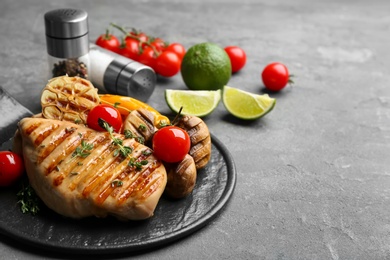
<point x="314" y="174"/>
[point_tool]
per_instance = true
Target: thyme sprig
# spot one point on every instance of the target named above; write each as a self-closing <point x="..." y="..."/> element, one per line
<point x="123" y="150"/>
<point x="27" y="199"/>
<point x="82" y="151"/>
<point x="137" y="164"/>
<point x="128" y="134"/>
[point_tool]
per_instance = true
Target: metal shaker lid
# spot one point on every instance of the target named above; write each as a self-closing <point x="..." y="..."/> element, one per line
<point x="67" y="33"/>
<point x="126" y="77"/>
<point x="66" y="23"/>
<point x="136" y="80"/>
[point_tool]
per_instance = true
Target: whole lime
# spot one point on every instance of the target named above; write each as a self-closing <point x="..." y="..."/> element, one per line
<point x="206" y="66"/>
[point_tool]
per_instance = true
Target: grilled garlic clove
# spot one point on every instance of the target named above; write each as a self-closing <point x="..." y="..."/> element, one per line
<point x="200" y="139"/>
<point x="68" y="98"/>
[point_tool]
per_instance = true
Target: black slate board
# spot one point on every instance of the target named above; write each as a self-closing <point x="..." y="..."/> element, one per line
<point x="172" y="220"/>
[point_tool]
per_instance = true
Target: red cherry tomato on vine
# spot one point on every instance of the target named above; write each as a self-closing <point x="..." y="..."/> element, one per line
<point x="275" y="76"/>
<point x="108" y="41"/>
<point x="159" y="44"/>
<point x="143" y="37"/>
<point x="148" y="57"/>
<point x="130" y="49"/>
<point x="168" y="64"/>
<point x="11" y="168"/>
<point x="171" y="144"/>
<point x="106" y="112"/>
<point x="237" y="57"/>
<point x="178" y="49"/>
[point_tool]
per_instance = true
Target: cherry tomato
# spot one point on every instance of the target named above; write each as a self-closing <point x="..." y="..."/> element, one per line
<point x="177" y="48"/>
<point x="11" y="168"/>
<point x="148" y="57"/>
<point x="275" y="76"/>
<point x="108" y="41"/>
<point x="106" y="112"/>
<point x="237" y="57"/>
<point x="159" y="44"/>
<point x="140" y="35"/>
<point x="171" y="144"/>
<point x="130" y="49"/>
<point x="168" y="64"/>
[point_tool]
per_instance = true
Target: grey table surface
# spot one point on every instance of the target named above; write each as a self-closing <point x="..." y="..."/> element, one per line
<point x="314" y="174"/>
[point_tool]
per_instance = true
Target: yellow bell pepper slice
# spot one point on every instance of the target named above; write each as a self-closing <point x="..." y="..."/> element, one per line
<point x="127" y="104"/>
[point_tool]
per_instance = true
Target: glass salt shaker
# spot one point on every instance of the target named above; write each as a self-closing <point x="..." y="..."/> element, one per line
<point x="116" y="74"/>
<point x="67" y="42"/>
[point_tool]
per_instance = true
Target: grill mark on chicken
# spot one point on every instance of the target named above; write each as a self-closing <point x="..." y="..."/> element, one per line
<point x="43" y="133"/>
<point x="58" y="181"/>
<point x="31" y="128"/>
<point x="92" y="164"/>
<point x="70" y="165"/>
<point x="137" y="182"/>
<point x="154" y="183"/>
<point x="124" y="170"/>
<point x="100" y="177"/>
<point x="107" y="163"/>
<point x="57" y="139"/>
<point x="72" y="141"/>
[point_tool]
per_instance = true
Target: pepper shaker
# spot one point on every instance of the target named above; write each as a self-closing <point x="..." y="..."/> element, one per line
<point x="67" y="42"/>
<point x="116" y="74"/>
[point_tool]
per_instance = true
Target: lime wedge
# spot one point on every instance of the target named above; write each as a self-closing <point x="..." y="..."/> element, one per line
<point x="246" y="105"/>
<point x="194" y="102"/>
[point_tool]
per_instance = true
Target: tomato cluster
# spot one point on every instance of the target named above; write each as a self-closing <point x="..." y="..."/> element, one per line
<point x="156" y="53"/>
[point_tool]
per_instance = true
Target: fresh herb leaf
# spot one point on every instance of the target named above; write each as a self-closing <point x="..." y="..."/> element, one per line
<point x="128" y="134"/>
<point x="27" y="199"/>
<point x="142" y="127"/>
<point x="140" y="139"/>
<point x="123" y="150"/>
<point x="137" y="165"/>
<point x="147" y="152"/>
<point x="162" y="123"/>
<point x="82" y="151"/>
<point x="117" y="183"/>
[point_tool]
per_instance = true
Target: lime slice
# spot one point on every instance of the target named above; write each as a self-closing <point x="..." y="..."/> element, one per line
<point x="194" y="102"/>
<point x="246" y="105"/>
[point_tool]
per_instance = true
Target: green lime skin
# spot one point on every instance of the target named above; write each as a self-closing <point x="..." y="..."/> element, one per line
<point x="206" y="66"/>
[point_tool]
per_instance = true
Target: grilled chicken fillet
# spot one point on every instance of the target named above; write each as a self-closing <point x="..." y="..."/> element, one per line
<point x="79" y="172"/>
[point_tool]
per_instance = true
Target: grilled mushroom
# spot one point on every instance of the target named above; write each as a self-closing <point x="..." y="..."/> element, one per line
<point x="68" y="98"/>
<point x="140" y="124"/>
<point x="181" y="178"/>
<point x="200" y="139"/>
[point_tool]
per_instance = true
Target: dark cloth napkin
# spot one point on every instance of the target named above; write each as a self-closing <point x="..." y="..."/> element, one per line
<point x="11" y="111"/>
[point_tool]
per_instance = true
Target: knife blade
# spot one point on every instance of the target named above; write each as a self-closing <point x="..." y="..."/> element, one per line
<point x="11" y="111"/>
